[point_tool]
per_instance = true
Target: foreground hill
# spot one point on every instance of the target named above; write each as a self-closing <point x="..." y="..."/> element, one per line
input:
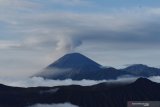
<point x="101" y="95"/>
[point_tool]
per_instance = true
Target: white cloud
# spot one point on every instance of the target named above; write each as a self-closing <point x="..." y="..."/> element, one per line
<point x="54" y="105"/>
<point x="38" y="81"/>
<point x="8" y="44"/>
<point x="155" y="79"/>
<point x="17" y="4"/>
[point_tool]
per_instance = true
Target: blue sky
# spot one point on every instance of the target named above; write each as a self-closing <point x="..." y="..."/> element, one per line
<point x="34" y="33"/>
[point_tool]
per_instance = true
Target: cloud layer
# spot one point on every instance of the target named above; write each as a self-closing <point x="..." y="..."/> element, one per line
<point x="38" y="81"/>
<point x="54" y="105"/>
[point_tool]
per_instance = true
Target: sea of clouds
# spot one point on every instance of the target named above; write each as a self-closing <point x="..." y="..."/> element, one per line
<point x="38" y="81"/>
<point x="54" y="105"/>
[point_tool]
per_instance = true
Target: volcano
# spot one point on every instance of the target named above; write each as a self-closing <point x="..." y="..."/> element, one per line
<point x="77" y="67"/>
<point x="73" y="65"/>
<point x="75" y="61"/>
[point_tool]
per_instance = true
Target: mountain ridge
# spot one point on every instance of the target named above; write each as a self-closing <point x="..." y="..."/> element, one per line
<point x="77" y="67"/>
<point x="142" y="70"/>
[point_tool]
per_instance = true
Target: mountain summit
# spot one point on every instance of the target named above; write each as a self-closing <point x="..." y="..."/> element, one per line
<point x="77" y="67"/>
<point x="73" y="65"/>
<point x="75" y="61"/>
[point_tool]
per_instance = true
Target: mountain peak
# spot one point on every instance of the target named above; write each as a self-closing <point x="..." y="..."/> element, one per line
<point x="74" y="54"/>
<point x="72" y="65"/>
<point x="143" y="81"/>
<point x="137" y="66"/>
<point x="73" y="60"/>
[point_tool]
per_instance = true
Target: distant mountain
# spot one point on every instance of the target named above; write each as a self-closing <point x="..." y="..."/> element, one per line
<point x="100" y="95"/>
<point x="142" y="70"/>
<point x="75" y="61"/>
<point x="77" y="67"/>
<point x="69" y="66"/>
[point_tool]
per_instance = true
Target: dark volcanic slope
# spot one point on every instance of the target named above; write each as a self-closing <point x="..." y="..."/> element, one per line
<point x="76" y="61"/>
<point x="100" y="95"/>
<point x="68" y="66"/>
<point x="77" y="67"/>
